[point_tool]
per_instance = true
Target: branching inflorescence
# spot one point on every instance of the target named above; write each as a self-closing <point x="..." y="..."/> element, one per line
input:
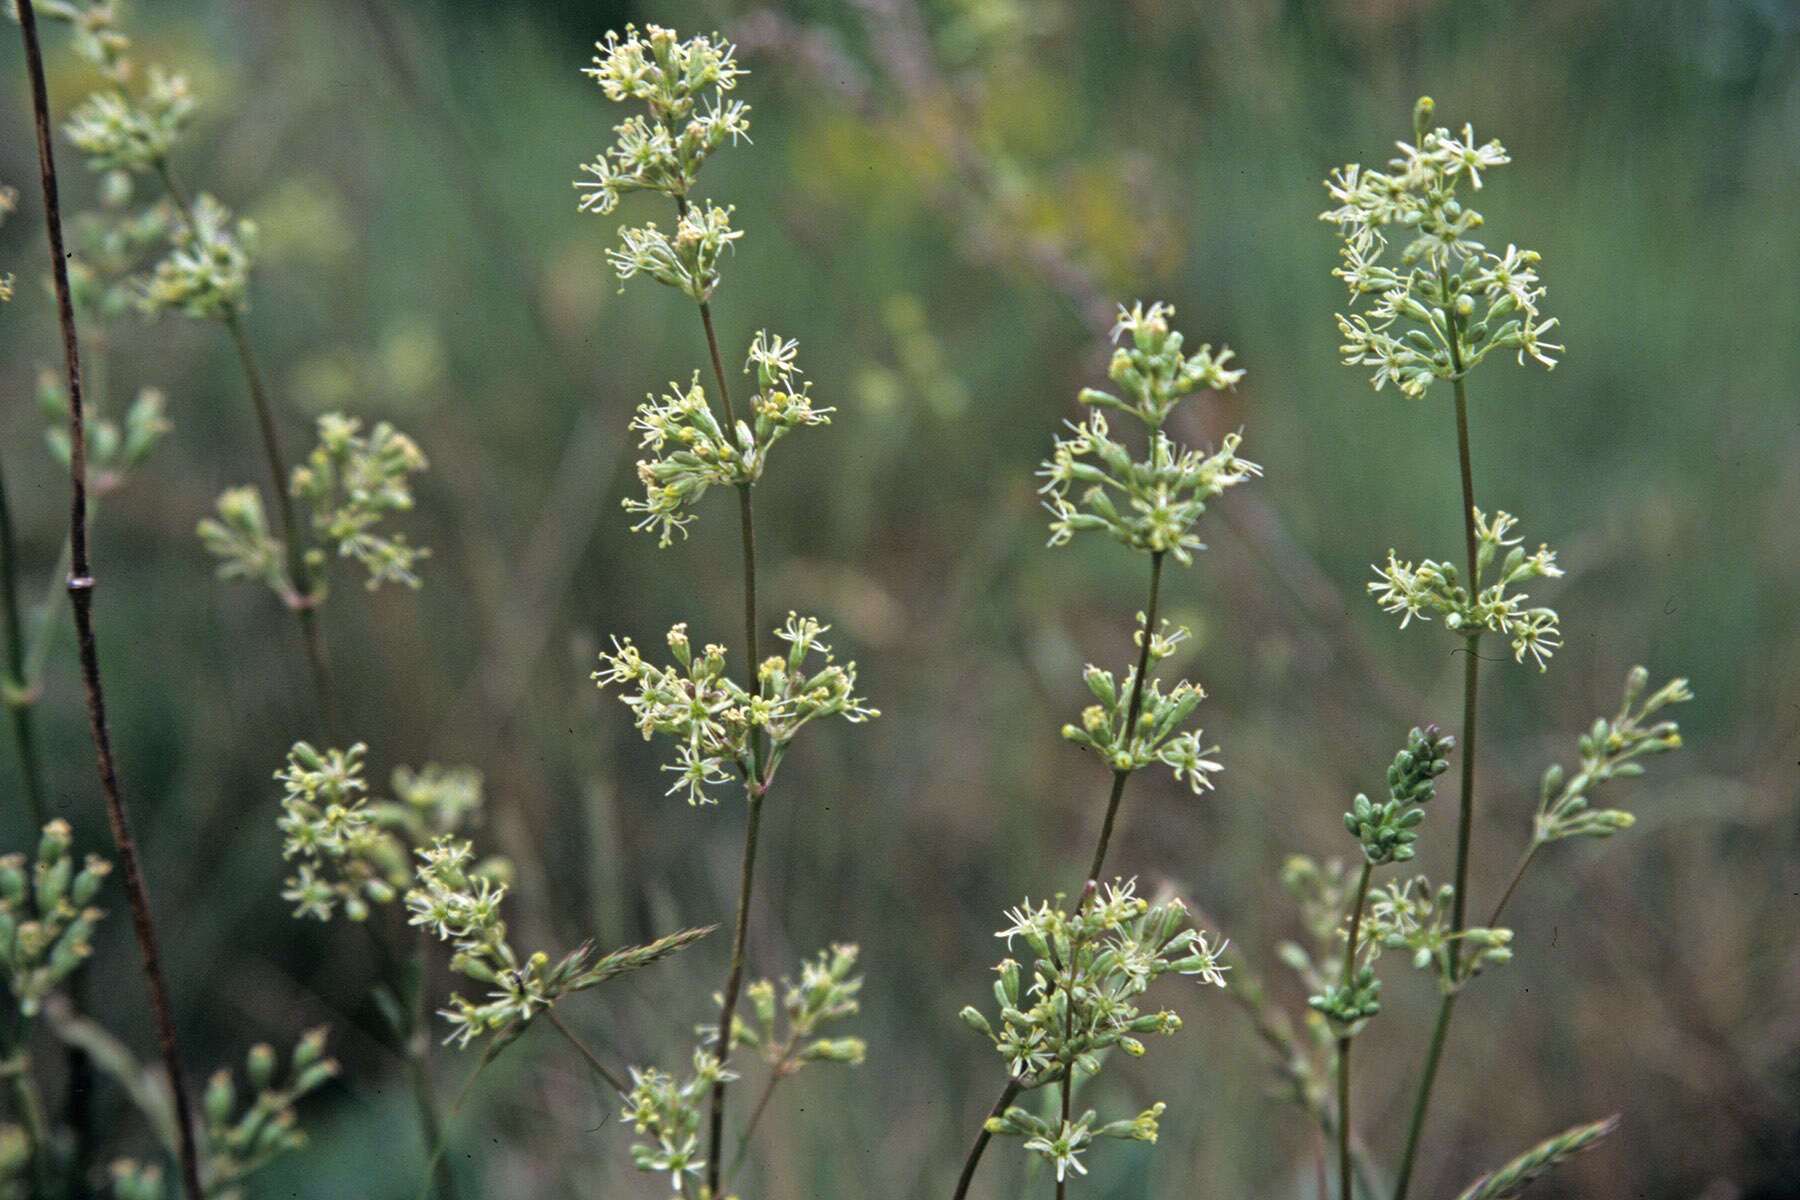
<point x="1093" y="961"/>
<point x="725" y="730"/>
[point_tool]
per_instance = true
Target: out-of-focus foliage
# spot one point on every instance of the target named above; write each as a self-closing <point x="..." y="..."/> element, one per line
<point x="947" y="200"/>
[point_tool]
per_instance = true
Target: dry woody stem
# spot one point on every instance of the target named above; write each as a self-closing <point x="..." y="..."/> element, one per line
<point x="81" y="600"/>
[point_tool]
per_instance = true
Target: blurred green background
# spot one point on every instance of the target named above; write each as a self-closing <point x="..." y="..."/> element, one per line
<point x="944" y="202"/>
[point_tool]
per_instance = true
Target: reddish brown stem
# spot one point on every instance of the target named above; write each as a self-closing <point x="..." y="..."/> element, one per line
<point x="81" y="600"/>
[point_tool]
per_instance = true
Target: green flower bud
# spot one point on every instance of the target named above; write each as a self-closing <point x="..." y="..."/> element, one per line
<point x="220" y="1099"/>
<point x="87" y="884"/>
<point x="260" y="1066"/>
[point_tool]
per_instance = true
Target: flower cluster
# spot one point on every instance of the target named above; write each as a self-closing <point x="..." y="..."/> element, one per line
<point x="125" y="130"/>
<point x="688" y="262"/>
<point x="347" y="854"/>
<point x="353" y="851"/>
<point x="682" y="85"/>
<point x="460" y="904"/>
<point x="350" y="481"/>
<point x="1150" y="504"/>
<point x="113" y="449"/>
<point x="1152" y="738"/>
<point x="716" y="720"/>
<point x="1607" y="751"/>
<point x="694" y="450"/>
<point x="669" y="1111"/>
<point x="1349" y="1004"/>
<point x="1411" y="589"/>
<point x="46" y="916"/>
<point x="240" y="1142"/>
<point x="206" y="273"/>
<point x="782" y="1026"/>
<point x="785" y="1025"/>
<point x="1413" y="916"/>
<point x="663" y="150"/>
<point x="1450" y="301"/>
<point x="1091" y="965"/>
<point x="118" y="131"/>
<point x="1388" y="829"/>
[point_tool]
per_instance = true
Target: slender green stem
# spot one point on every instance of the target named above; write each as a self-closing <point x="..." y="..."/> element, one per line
<point x="429" y="1124"/>
<point x="1067" y="1084"/>
<point x="304" y="600"/>
<point x="1512" y="884"/>
<point x="756" y="783"/>
<point x="81" y="600"/>
<point x="1466" y="806"/>
<point x="15" y="1061"/>
<point x="734" y="982"/>
<point x="301" y="598"/>
<point x="20" y="692"/>
<point x="1422" y="1099"/>
<point x="762" y="1103"/>
<point x="1134" y="707"/>
<point x="414" y="1050"/>
<point x="488" y="1055"/>
<point x="587" y="1055"/>
<point x="1345" y="1177"/>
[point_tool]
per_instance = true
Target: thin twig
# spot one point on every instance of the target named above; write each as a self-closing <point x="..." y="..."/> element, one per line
<point x="81" y="600"/>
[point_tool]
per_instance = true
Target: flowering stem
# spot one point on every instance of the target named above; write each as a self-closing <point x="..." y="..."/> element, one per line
<point x="304" y="601"/>
<point x="756" y="786"/>
<point x="81" y="601"/>
<point x="1345" y="1177"/>
<point x="1090" y="884"/>
<point x="301" y="599"/>
<point x="1133" y="708"/>
<point x="1466" y="807"/>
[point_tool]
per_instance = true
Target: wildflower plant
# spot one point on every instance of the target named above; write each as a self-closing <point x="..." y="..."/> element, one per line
<point x="725" y="730"/>
<point x="1436" y="314"/>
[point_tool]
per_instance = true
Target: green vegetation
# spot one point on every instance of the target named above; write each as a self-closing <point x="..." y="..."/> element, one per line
<point x="335" y="301"/>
